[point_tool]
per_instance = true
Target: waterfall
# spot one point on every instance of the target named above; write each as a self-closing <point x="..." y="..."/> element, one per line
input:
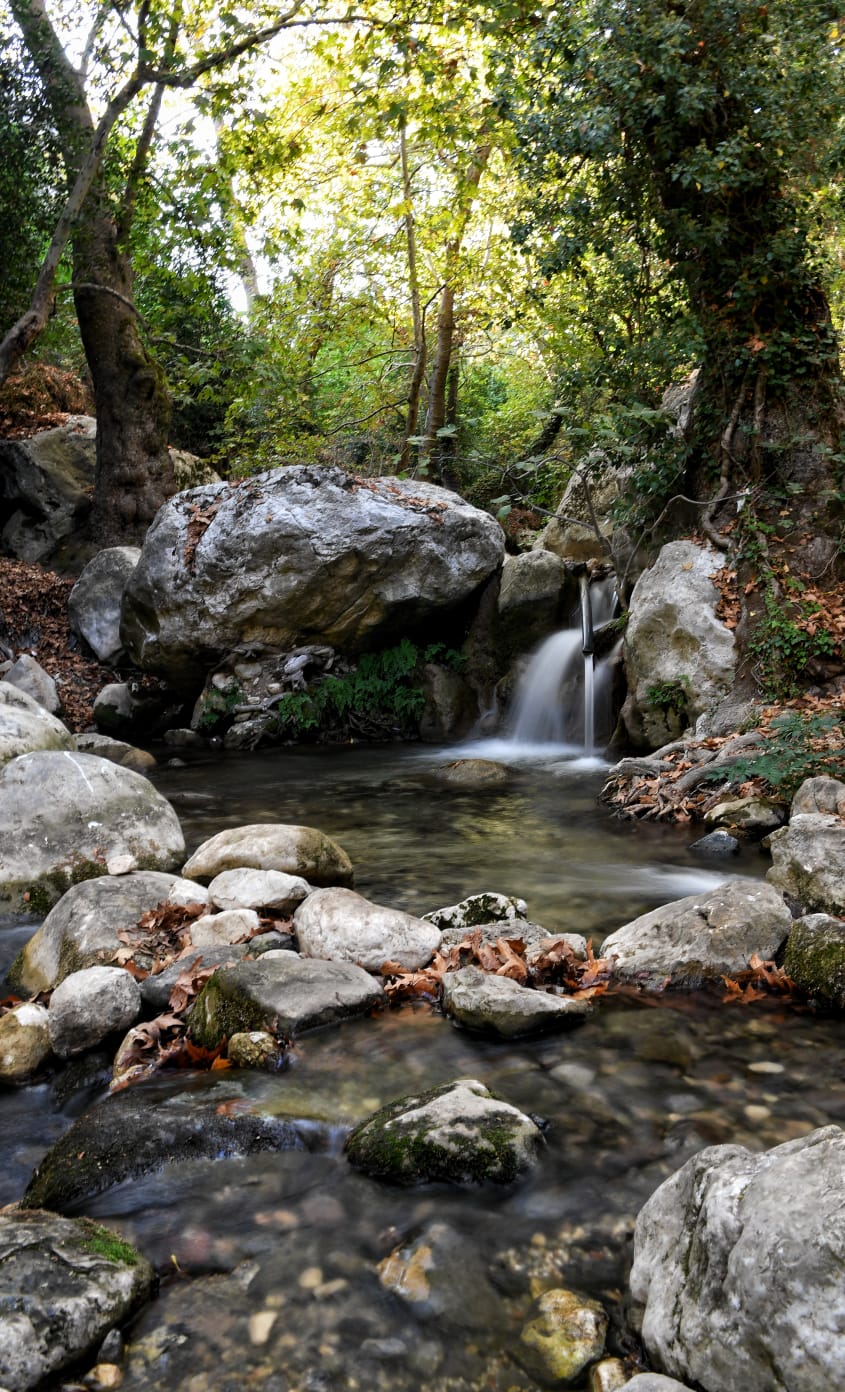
<point x="557" y="695"/>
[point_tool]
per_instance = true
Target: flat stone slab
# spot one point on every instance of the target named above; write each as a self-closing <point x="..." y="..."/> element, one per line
<point x="284" y="994"/>
<point x="459" y="1133"/>
<point x="64" y="1283"/>
<point x="497" y="1005"/>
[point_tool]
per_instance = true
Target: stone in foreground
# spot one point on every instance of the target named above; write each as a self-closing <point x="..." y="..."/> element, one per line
<point x="808" y="862"/>
<point x="341" y="925"/>
<point x="458" y="1133"/>
<point x="63" y="815"/>
<point x="497" y="1005"/>
<point x="562" y="1334"/>
<point x="64" y="1283"/>
<point x="738" y="1262"/>
<point x="295" y="850"/>
<point x="700" y="939"/>
<point x="283" y="994"/>
<point x="82" y="929"/>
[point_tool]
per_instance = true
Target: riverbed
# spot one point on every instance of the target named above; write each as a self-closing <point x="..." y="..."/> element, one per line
<point x="270" y="1264"/>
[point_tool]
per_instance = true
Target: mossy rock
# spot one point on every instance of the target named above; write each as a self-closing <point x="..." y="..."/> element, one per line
<point x="815" y="958"/>
<point x="457" y="1134"/>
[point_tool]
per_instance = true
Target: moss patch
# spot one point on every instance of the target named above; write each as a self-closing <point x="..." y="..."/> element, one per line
<point x="102" y="1242"/>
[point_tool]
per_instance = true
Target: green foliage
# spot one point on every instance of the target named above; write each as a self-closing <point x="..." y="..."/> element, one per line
<point x="669" y="695"/>
<point x="785" y="641"/>
<point x="383" y="691"/>
<point x="798" y="747"/>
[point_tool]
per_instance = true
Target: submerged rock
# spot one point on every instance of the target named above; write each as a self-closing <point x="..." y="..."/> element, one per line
<point x="497" y="1005"/>
<point x="341" y="925"/>
<point x="136" y="1132"/>
<point x="440" y="1277"/>
<point x="282" y="993"/>
<point x="738" y="1262"/>
<point x="473" y="773"/>
<point x="25" y="725"/>
<point x="82" y="930"/>
<point x="294" y="850"/>
<point x="701" y="938"/>
<point x="459" y="1133"/>
<point x="562" y="1334"/>
<point x="815" y="958"/>
<point x="808" y="861"/>
<point x="63" y="815"/>
<point x="64" y="1283"/>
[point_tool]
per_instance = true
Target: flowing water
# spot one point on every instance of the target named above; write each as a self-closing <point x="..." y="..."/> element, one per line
<point x="270" y="1263"/>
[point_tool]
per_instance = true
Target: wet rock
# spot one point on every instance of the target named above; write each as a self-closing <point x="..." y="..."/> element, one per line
<point x="808" y="862"/>
<point x="185" y="738"/>
<point x="230" y="926"/>
<point x="82" y="930"/>
<point x="28" y="675"/>
<point x="282" y="993"/>
<point x="535" y="591"/>
<point x="94" y="602"/>
<point x="478" y="909"/>
<point x="497" y="1005"/>
<point x="458" y="1133"/>
<point x="701" y="938"/>
<point x="89" y="1005"/>
<point x="255" y="1049"/>
<point x="815" y="958"/>
<point x="155" y="990"/>
<point x="332" y="562"/>
<point x="295" y="850"/>
<point x="26" y="726"/>
<point x="440" y="1276"/>
<point x="679" y="657"/>
<point x="125" y="1136"/>
<point x="64" y="814"/>
<point x="752" y="817"/>
<point x="824" y="795"/>
<point x="451" y="705"/>
<point x="716" y="844"/>
<point x="24" y="1042"/>
<point x="738" y="1263"/>
<point x="258" y="889"/>
<point x="473" y="773"/>
<point x="117" y="750"/>
<point x="63" y="1284"/>
<point x="562" y="1334"/>
<point x="341" y="925"/>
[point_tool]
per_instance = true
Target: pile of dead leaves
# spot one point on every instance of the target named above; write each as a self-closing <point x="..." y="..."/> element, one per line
<point x="40" y="396"/>
<point x="33" y="620"/>
<point x="760" y="981"/>
<point x="553" y="967"/>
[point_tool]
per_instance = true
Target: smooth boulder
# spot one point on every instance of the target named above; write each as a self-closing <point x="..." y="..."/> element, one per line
<point x="459" y="1133"/>
<point x="258" y="889"/>
<point x="738" y="1262"/>
<point x="26" y="726"/>
<point x="701" y="938"/>
<point x="300" y="555"/>
<point x="94" y="602"/>
<point x="808" y="861"/>
<point x="24" y="1042"/>
<point x="89" y="1005"/>
<point x="64" y="815"/>
<point x="341" y="925"/>
<point x="497" y="1005"/>
<point x="83" y="928"/>
<point x="29" y="676"/>
<point x="64" y="1283"/>
<point x="294" y="850"/>
<point x="281" y="993"/>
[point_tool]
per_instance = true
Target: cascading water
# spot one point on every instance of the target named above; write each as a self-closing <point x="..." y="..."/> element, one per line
<point x="560" y="689"/>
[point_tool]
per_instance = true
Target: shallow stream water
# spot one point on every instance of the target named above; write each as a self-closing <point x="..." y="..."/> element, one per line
<point x="269" y="1263"/>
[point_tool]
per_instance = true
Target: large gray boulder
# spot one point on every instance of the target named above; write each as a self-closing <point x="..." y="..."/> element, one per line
<point x="25" y="725"/>
<point x="701" y="938"/>
<point x="679" y="657"/>
<point x="64" y="1283"/>
<point x="89" y="1005"/>
<point x="297" y="555"/>
<point x="82" y="929"/>
<point x="294" y="850"/>
<point x="64" y="816"/>
<point x="94" y="602"/>
<point x="535" y="593"/>
<point x="808" y="861"/>
<point x="496" y="1005"/>
<point x="341" y="925"/>
<point x="45" y="485"/>
<point x="738" y="1262"/>
<point x="459" y="1133"/>
<point x="283" y="994"/>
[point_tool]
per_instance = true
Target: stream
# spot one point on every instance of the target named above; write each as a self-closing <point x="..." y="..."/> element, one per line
<point x="269" y="1263"/>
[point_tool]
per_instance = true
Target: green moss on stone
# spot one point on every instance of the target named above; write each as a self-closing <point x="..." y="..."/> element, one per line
<point x="815" y="959"/>
<point x="102" y="1242"/>
<point x="217" y="1014"/>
